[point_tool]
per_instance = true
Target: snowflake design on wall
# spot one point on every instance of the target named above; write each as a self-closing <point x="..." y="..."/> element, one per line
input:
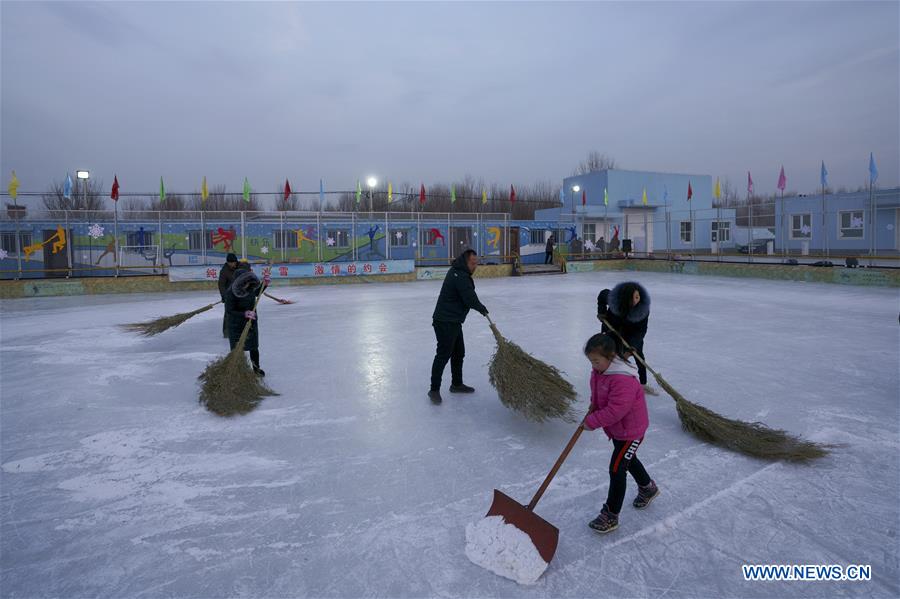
<point x="3" y="254"/>
<point x="95" y="231"/>
<point x="264" y="249"/>
<point x="329" y="242"/>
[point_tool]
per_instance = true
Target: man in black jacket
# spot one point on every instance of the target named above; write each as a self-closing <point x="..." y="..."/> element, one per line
<point x="548" y="254"/>
<point x="226" y="277"/>
<point x="457" y="297"/>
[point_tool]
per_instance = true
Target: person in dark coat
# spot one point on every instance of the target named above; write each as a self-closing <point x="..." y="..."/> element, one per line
<point x="551" y="243"/>
<point x="627" y="308"/>
<point x="240" y="301"/>
<point x="457" y="297"/>
<point x="226" y="277"/>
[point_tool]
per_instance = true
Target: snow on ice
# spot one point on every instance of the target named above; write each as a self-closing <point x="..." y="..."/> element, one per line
<point x="115" y="482"/>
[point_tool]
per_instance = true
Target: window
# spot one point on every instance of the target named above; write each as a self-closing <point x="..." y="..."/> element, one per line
<point x="589" y="232"/>
<point x="801" y="226"/>
<point x="537" y="236"/>
<point x="431" y="237"/>
<point x="721" y="231"/>
<point x="8" y="241"/>
<point x="136" y="240"/>
<point x="399" y="238"/>
<point x="686" y="231"/>
<point x="851" y="224"/>
<point x="195" y="240"/>
<point x="284" y="239"/>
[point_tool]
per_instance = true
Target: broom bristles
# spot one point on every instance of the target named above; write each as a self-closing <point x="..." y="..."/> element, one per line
<point x="228" y="384"/>
<point x="750" y="438"/>
<point x="528" y="385"/>
<point x="164" y="323"/>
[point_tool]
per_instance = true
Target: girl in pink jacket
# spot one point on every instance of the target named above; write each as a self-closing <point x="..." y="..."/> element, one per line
<point x="619" y="408"/>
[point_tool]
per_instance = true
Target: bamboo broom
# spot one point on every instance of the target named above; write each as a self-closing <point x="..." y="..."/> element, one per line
<point x="164" y="323"/>
<point x="750" y="438"/>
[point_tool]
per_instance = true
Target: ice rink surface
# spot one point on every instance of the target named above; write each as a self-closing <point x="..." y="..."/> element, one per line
<point x="115" y="482"/>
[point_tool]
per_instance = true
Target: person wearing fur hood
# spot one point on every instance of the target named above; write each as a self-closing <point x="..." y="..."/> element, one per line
<point x="627" y="308"/>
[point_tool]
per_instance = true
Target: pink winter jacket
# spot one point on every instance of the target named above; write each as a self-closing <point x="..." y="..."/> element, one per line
<point x="617" y="403"/>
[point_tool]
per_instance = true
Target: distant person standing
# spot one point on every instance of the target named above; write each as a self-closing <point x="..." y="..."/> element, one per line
<point x="457" y="297"/>
<point x="226" y="277"/>
<point x="551" y="243"/>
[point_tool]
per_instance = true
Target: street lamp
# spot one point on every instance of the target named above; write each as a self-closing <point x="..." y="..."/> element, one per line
<point x="84" y="176"/>
<point x="371" y="182"/>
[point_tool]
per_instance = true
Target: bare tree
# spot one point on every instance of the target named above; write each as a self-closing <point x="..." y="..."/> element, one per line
<point x="87" y="195"/>
<point x="594" y="162"/>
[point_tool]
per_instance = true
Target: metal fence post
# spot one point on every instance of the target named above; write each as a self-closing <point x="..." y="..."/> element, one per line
<point x="243" y="237"/>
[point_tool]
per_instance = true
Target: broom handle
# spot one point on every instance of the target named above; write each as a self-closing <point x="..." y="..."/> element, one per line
<point x="556" y="466"/>
<point x="249" y="322"/>
<point x="628" y="347"/>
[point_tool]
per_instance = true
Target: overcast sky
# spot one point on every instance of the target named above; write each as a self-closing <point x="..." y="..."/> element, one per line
<point x="508" y="92"/>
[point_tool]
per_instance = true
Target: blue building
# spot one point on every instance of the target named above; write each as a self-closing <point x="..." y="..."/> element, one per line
<point x="853" y="223"/>
<point x="602" y="202"/>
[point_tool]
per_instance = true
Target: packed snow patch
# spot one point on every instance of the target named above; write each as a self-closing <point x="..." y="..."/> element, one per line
<point x="504" y="550"/>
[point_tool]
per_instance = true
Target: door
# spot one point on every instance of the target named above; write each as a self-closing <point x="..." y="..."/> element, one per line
<point x="56" y="252"/>
<point x="513" y="241"/>
<point x="460" y="239"/>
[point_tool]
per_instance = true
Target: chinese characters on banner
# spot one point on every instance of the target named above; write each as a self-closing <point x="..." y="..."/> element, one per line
<point x="288" y="271"/>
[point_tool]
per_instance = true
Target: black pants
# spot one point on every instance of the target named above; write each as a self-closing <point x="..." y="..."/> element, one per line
<point x="639" y="350"/>
<point x="548" y="259"/>
<point x="225" y="325"/>
<point x="624" y="460"/>
<point x="450" y="347"/>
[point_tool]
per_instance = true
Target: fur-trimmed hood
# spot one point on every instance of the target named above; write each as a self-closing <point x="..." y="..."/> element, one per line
<point x="244" y="282"/>
<point x="637" y="313"/>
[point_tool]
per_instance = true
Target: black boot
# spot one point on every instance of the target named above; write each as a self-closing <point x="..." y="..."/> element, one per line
<point x="435" y="396"/>
<point x="461" y="388"/>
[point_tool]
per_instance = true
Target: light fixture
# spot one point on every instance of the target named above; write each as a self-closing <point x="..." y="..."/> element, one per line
<point x="576" y="188"/>
<point x="371" y="181"/>
<point x="81" y="174"/>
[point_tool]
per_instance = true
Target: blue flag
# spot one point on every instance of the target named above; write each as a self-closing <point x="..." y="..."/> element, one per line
<point x="321" y="191"/>
<point x="824" y="177"/>
<point x="873" y="170"/>
<point x="67" y="187"/>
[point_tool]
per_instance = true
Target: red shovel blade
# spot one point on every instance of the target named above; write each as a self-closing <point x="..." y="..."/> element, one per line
<point x="544" y="535"/>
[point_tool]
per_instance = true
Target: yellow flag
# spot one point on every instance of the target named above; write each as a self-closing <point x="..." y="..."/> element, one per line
<point x="644" y="198"/>
<point x="390" y="193"/>
<point x="484" y="196"/>
<point x="204" y="190"/>
<point x="14" y="186"/>
<point x="717" y="191"/>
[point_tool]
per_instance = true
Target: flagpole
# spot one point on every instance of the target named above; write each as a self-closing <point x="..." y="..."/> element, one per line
<point x="750" y="215"/>
<point x="116" y="233"/>
<point x="824" y="226"/>
<point x="783" y="219"/>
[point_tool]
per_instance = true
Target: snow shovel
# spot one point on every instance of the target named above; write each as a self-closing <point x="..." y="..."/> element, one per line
<point x="544" y="535"/>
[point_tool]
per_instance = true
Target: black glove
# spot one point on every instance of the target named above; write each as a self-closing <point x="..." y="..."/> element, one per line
<point x="484" y="312"/>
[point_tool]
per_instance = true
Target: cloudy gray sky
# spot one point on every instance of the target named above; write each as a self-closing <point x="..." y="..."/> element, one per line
<point x="511" y="92"/>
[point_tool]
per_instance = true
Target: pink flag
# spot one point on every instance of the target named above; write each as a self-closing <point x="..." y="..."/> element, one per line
<point x="782" y="180"/>
<point x="749" y="183"/>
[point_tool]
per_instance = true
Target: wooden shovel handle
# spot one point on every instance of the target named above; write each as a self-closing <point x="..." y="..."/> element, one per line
<point x="556" y="466"/>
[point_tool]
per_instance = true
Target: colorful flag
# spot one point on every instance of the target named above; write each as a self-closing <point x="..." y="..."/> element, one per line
<point x="287" y="190"/>
<point x="717" y="190"/>
<point x="452" y="194"/>
<point x="512" y="194"/>
<point x="873" y="170"/>
<point x="390" y="192"/>
<point x="690" y="191"/>
<point x="584" y="197"/>
<point x="644" y="195"/>
<point x="114" y="194"/>
<point x="204" y="190"/>
<point x="14" y="186"/>
<point x="321" y="192"/>
<point x="358" y="191"/>
<point x="162" y="191"/>
<point x="823" y="177"/>
<point x="605" y="197"/>
<point x="246" y="190"/>
<point x="782" y="180"/>
<point x="749" y="184"/>
<point x="422" y="194"/>
<point x="67" y="187"/>
<point x="484" y="196"/>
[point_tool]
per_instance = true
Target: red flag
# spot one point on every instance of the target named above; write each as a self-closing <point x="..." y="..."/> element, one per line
<point x="583" y="197"/>
<point x="287" y="190"/>
<point x="422" y="194"/>
<point x="115" y="189"/>
<point x="512" y="194"/>
<point x="782" y="180"/>
<point x="690" y="191"/>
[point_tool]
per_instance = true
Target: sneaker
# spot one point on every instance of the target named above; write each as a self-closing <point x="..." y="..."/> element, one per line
<point x="605" y="522"/>
<point x="650" y="390"/>
<point x="435" y="396"/>
<point x="460" y="388"/>
<point x="259" y="371"/>
<point x="645" y="495"/>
